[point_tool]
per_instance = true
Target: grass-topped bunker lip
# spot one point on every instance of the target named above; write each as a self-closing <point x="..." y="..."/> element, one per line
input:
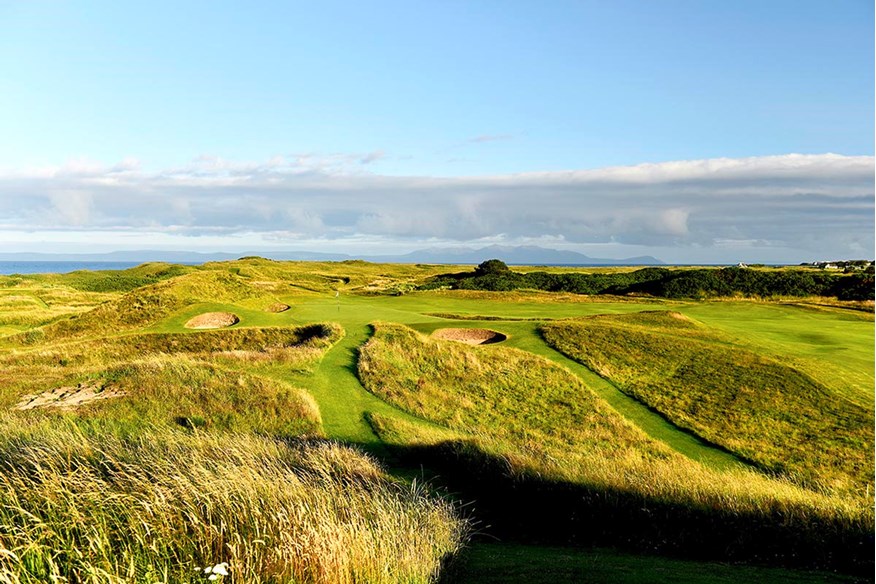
<point x="470" y="336"/>
<point x="211" y="320"/>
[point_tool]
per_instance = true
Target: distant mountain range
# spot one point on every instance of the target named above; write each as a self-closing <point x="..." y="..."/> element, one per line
<point x="514" y="255"/>
<point x="524" y="255"/>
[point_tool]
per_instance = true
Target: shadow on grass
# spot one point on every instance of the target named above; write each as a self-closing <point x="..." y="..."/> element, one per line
<point x="533" y="510"/>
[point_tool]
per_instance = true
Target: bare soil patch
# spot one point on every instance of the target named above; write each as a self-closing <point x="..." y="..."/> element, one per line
<point x="277" y="307"/>
<point x="470" y="336"/>
<point x="211" y="320"/>
<point x="68" y="397"/>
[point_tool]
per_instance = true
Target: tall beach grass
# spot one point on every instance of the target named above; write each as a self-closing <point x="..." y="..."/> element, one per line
<point x="77" y="506"/>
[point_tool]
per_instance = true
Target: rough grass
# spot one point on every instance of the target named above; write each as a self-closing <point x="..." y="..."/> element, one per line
<point x="759" y="408"/>
<point x="466" y="389"/>
<point x="670" y="505"/>
<point x="146" y="305"/>
<point x="200" y="363"/>
<point x="182" y="379"/>
<point x="540" y="423"/>
<point x="79" y="507"/>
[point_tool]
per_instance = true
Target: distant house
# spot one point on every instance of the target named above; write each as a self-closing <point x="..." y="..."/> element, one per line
<point x="741" y="265"/>
<point x="831" y="267"/>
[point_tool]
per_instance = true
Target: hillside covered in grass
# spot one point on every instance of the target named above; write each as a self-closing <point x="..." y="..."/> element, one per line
<point x="759" y="408"/>
<point x="159" y="507"/>
<point x="134" y="449"/>
<point x="542" y="424"/>
<point x="111" y="405"/>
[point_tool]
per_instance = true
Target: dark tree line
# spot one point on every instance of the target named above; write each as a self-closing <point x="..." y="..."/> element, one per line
<point x="494" y="275"/>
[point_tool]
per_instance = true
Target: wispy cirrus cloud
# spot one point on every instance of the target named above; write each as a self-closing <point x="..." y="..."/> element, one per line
<point x="814" y="204"/>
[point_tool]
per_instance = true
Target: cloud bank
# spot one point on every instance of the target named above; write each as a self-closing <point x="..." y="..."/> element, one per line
<point x="809" y="205"/>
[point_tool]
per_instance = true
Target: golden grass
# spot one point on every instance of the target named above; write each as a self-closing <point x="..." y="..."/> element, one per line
<point x="78" y="507"/>
<point x="761" y="409"/>
<point x="542" y="420"/>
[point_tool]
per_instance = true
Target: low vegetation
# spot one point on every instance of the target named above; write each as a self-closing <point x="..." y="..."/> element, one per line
<point x="666" y="283"/>
<point x="133" y="449"/>
<point x="535" y="423"/>
<point x="761" y="409"/>
<point x="160" y="507"/>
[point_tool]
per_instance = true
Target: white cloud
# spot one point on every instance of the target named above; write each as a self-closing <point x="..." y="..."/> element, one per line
<point x="70" y="206"/>
<point x="802" y="203"/>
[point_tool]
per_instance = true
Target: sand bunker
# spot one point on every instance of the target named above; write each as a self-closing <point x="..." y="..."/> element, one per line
<point x="678" y="316"/>
<point x="277" y="307"/>
<point x="470" y="336"/>
<point x="211" y="320"/>
<point x="68" y="397"/>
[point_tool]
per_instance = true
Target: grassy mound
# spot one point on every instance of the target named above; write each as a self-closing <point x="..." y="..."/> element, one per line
<point x="205" y="379"/>
<point x="549" y="454"/>
<point x="759" y="408"/>
<point x="95" y="508"/>
<point x="122" y="280"/>
<point x="468" y="389"/>
<point x="194" y="394"/>
<point x="149" y="304"/>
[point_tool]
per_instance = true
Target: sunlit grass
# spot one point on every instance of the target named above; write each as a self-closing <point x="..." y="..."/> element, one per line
<point x="544" y="422"/>
<point x="79" y="507"/>
<point x="757" y="407"/>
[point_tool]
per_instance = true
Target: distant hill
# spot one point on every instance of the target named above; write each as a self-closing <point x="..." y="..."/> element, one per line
<point x="524" y="255"/>
<point x="513" y="255"/>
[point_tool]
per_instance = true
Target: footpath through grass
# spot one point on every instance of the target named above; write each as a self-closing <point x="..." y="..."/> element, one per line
<point x="526" y="336"/>
<point x="344" y="402"/>
<point x="770" y="413"/>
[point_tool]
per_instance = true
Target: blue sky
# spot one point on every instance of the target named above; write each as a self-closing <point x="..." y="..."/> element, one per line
<point x="428" y="90"/>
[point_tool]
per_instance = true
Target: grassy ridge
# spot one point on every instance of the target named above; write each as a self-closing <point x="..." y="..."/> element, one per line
<point x="146" y="305"/>
<point x="208" y="378"/>
<point x="759" y="408"/>
<point x="182" y="392"/>
<point x="541" y="455"/>
<point x="542" y="419"/>
<point x="79" y="507"/>
<point x="543" y="407"/>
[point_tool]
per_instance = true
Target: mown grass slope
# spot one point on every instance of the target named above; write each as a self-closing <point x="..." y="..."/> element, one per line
<point x="754" y="406"/>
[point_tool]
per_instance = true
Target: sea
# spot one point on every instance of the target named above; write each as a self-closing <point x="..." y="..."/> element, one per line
<point x="46" y="267"/>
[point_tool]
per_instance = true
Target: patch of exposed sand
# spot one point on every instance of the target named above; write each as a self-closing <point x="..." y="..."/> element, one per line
<point x="470" y="336"/>
<point x="68" y="397"/>
<point x="678" y="315"/>
<point x="211" y="320"/>
<point x="277" y="307"/>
